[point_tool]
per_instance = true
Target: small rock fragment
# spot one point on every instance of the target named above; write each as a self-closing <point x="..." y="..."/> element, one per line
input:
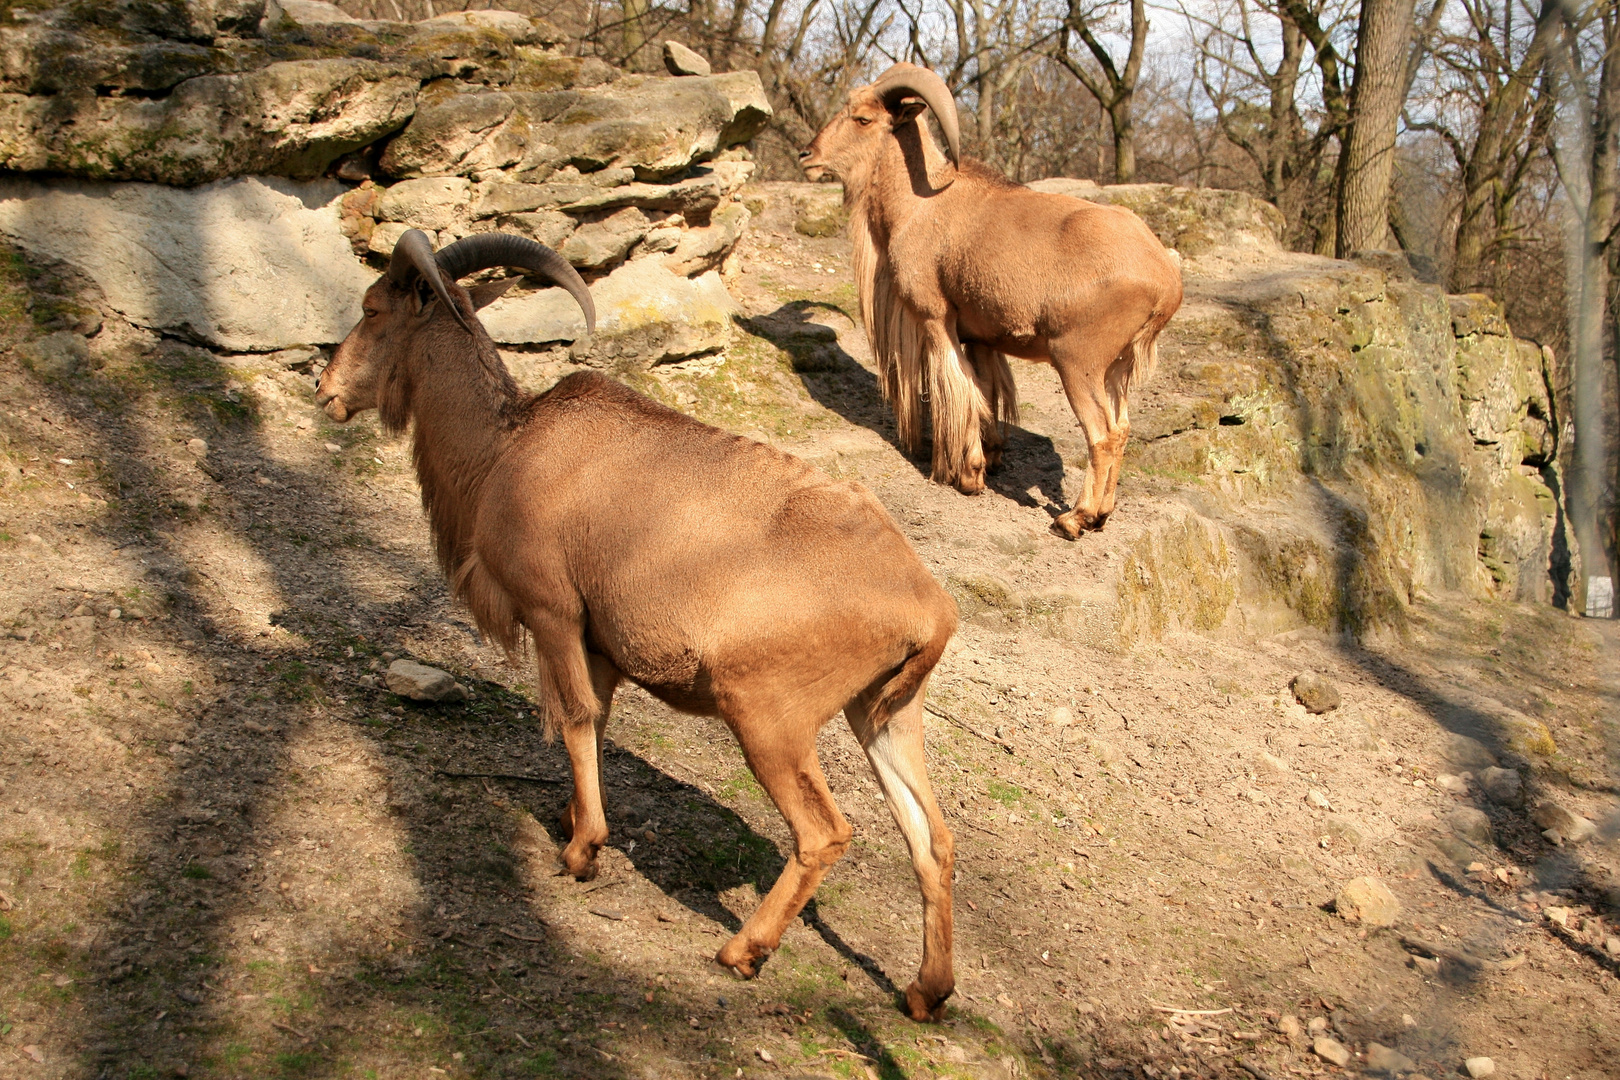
<point x="1060" y="717"/>
<point x="1479" y="1067"/>
<point x="198" y="448"/>
<point x="1317" y="1025"/>
<point x="1314" y="692"/>
<point x="1290" y="1028"/>
<point x="608" y="913"/>
<point x="1558" y="915"/>
<point x="1611" y="945"/>
<point x="332" y="448"/>
<point x="1367" y="901"/>
<point x="1385" y="1059"/>
<point x="683" y="61"/>
<point x="419" y="682"/>
<point x="1451" y="782"/>
<point x="1561" y="826"/>
<point x="1502" y="786"/>
<point x="764" y="1054"/>
<point x="1318" y="800"/>
<point x="1331" y="1050"/>
<point x="1273" y="764"/>
<point x="1470" y="824"/>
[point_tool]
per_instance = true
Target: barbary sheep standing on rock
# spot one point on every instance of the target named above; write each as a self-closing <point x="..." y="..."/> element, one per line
<point x="959" y="268"/>
<point x="632" y="542"/>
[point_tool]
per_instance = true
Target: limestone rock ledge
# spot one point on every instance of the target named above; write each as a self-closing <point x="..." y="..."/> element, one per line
<point x="465" y="123"/>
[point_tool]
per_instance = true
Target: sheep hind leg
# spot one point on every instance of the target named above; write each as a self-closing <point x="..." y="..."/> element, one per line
<point x="783" y="759"/>
<point x="994" y="379"/>
<point x="583" y="820"/>
<point x="1098" y="400"/>
<point x="895" y="751"/>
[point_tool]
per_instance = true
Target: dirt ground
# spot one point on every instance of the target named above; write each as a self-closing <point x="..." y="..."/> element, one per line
<point x="225" y="851"/>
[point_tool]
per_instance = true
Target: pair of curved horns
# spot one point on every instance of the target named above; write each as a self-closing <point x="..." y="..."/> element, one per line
<point x="413" y="254"/>
<point x="902" y="79"/>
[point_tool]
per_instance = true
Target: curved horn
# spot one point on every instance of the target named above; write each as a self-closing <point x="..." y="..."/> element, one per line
<point x="932" y="89"/>
<point x="484" y="250"/>
<point x="413" y="254"/>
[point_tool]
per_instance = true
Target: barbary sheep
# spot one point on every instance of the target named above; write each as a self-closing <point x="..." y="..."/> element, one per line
<point x="629" y="541"/>
<point x="959" y="268"/>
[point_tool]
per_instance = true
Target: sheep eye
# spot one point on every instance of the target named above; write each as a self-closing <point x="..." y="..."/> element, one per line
<point x="863" y="120"/>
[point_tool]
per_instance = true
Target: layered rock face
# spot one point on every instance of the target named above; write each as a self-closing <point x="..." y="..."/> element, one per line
<point x="467" y="123"/>
<point x="1352" y="439"/>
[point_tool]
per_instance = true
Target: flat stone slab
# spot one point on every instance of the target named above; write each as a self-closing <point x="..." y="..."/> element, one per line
<point x="249" y="265"/>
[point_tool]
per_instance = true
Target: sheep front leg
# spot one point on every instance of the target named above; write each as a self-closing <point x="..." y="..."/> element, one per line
<point x="576" y="689"/>
<point x="957" y="407"/>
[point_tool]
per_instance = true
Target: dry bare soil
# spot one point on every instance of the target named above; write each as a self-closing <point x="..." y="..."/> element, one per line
<point x="226" y="852"/>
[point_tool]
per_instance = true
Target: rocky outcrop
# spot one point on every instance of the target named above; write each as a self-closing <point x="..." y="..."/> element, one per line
<point x="461" y="124"/>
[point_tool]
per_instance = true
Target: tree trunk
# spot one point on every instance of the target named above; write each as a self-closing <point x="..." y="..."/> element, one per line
<point x="1368" y="158"/>
<point x="1119" y="115"/>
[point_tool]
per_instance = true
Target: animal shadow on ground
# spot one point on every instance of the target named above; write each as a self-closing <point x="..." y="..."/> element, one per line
<point x="1030" y="462"/>
<point x="700" y="849"/>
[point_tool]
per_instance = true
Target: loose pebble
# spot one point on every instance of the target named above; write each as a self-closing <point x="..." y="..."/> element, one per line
<point x="1060" y="717"/>
<point x="1386" y="1059"/>
<point x="1452" y="783"/>
<point x="197" y="447"/>
<point x="1479" y="1067"/>
<point x="1331" y="1050"/>
<point x="1367" y="901"/>
<point x="1317" y="694"/>
<point x="1318" y="799"/>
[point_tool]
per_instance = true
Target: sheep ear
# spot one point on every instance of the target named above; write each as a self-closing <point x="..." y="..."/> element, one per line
<point x="908" y="108"/>
<point x="490" y="291"/>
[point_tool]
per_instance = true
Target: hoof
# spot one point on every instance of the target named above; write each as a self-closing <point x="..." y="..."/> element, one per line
<point x="738" y="958"/>
<point x="1065" y="528"/>
<point x="582" y="865"/>
<point x="923" y="1009"/>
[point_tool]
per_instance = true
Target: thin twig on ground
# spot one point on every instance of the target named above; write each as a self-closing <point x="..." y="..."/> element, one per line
<point x="498" y="776"/>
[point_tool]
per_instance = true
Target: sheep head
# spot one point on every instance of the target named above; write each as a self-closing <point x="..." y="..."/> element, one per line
<point x="851" y="141"/>
<point x="419" y="296"/>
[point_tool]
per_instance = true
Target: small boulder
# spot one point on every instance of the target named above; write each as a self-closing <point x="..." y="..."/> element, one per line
<point x="1385" y="1059"/>
<point x="420" y="682"/>
<point x="1479" y="1067"/>
<point x="1332" y="1051"/>
<point x="683" y="61"/>
<point x="1502" y="786"/>
<point x="58" y="356"/>
<point x="1561" y="826"/>
<point x="1317" y="694"/>
<point x="1467" y="753"/>
<point x="1367" y="901"/>
<point x="1470" y="824"/>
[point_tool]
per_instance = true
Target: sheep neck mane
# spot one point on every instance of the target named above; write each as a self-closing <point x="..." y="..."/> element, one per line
<point x="462" y="405"/>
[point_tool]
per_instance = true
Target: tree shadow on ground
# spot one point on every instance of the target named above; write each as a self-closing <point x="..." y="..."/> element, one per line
<point x="835" y="380"/>
<point x="217" y="954"/>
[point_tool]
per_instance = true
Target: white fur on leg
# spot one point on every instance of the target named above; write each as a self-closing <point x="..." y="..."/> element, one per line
<point x="898" y="789"/>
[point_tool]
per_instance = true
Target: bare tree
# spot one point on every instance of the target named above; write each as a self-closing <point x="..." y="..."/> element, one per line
<point x="1113" y="86"/>
<point x="1491" y="111"/>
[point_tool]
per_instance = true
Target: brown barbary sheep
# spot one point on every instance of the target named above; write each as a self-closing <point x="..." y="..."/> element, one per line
<point x="959" y="268"/>
<point x="632" y="542"/>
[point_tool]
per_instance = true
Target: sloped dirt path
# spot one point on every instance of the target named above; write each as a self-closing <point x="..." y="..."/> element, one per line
<point x="224" y="851"/>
